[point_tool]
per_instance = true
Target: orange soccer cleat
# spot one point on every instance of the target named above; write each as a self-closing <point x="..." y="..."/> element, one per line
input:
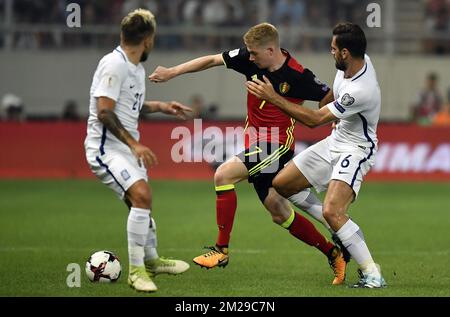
<point x="215" y="257"/>
<point x="338" y="264"/>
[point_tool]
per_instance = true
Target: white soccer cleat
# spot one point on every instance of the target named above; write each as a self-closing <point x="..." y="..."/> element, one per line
<point x="369" y="280"/>
<point x="139" y="279"/>
<point x="166" y="266"/>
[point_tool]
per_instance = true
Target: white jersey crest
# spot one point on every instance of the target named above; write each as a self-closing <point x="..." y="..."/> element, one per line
<point x="119" y="79"/>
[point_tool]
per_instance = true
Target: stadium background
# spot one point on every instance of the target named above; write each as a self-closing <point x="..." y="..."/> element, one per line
<point x="46" y="70"/>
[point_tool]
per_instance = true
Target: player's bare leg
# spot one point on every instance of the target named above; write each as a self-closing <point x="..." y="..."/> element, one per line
<point x="290" y="181"/>
<point x="302" y="229"/>
<point x="277" y="206"/>
<point x="293" y="185"/>
<point x="227" y="175"/>
<point x="337" y="200"/>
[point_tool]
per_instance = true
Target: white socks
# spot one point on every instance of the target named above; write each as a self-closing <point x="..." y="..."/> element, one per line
<point x="353" y="240"/>
<point x="308" y="202"/>
<point x="151" y="242"/>
<point x="137" y="231"/>
<point x="350" y="235"/>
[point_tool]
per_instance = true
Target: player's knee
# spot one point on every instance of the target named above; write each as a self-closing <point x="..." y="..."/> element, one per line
<point x="140" y="197"/>
<point x="220" y="178"/>
<point x="330" y="213"/>
<point x="278" y="185"/>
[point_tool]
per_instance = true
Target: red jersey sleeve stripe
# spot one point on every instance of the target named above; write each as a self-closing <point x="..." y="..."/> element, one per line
<point x="295" y="65"/>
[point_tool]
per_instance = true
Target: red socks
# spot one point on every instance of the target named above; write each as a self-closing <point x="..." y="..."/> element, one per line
<point x="304" y="230"/>
<point x="301" y="228"/>
<point x="226" y="204"/>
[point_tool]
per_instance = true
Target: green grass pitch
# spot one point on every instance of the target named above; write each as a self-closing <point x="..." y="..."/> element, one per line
<point x="45" y="225"/>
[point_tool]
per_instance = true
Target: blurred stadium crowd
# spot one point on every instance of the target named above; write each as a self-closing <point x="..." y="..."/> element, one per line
<point x="199" y="12"/>
<point x="417" y="27"/>
<point x="200" y="24"/>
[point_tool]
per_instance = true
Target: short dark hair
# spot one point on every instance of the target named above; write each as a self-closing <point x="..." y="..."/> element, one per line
<point x="137" y="25"/>
<point x="351" y="37"/>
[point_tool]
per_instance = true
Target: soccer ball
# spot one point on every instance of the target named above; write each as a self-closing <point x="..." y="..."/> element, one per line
<point x="103" y="267"/>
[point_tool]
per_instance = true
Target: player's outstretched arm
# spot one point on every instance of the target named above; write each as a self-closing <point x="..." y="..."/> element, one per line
<point x="329" y="97"/>
<point x="173" y="108"/>
<point x="106" y="115"/>
<point x="309" y="117"/>
<point x="162" y="74"/>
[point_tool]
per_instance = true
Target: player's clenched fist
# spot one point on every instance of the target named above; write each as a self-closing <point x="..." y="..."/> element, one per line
<point x="161" y="74"/>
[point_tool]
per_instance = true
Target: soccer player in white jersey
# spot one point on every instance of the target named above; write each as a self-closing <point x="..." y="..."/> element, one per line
<point x="112" y="144"/>
<point x="339" y="162"/>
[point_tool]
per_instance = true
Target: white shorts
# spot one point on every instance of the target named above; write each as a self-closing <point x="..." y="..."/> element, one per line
<point x="320" y="164"/>
<point x="116" y="169"/>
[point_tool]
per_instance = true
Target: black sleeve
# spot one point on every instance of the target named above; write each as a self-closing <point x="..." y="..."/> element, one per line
<point x="238" y="60"/>
<point x="310" y="87"/>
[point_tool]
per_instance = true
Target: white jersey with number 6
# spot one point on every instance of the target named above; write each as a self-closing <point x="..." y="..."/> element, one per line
<point x="349" y="152"/>
<point x="357" y="104"/>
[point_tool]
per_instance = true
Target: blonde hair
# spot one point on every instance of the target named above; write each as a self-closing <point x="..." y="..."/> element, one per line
<point x="261" y="35"/>
<point x="137" y="25"/>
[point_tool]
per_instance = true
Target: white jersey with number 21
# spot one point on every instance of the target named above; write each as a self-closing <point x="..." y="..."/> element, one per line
<point x="122" y="81"/>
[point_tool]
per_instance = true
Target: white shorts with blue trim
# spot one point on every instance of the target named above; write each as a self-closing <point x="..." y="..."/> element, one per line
<point x="320" y="164"/>
<point x="116" y="169"/>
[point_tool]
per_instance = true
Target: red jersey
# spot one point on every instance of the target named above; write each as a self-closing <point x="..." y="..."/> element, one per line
<point x="266" y="122"/>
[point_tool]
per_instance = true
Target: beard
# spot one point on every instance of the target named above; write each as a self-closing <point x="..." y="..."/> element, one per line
<point x="144" y="56"/>
<point x="341" y="65"/>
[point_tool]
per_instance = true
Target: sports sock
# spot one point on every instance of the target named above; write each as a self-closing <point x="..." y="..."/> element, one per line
<point x="353" y="240"/>
<point x="304" y="230"/>
<point x="226" y="204"/>
<point x="151" y="242"/>
<point x="137" y="231"/>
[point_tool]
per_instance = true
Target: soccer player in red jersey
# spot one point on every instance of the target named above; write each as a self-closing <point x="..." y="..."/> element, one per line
<point x="269" y="142"/>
